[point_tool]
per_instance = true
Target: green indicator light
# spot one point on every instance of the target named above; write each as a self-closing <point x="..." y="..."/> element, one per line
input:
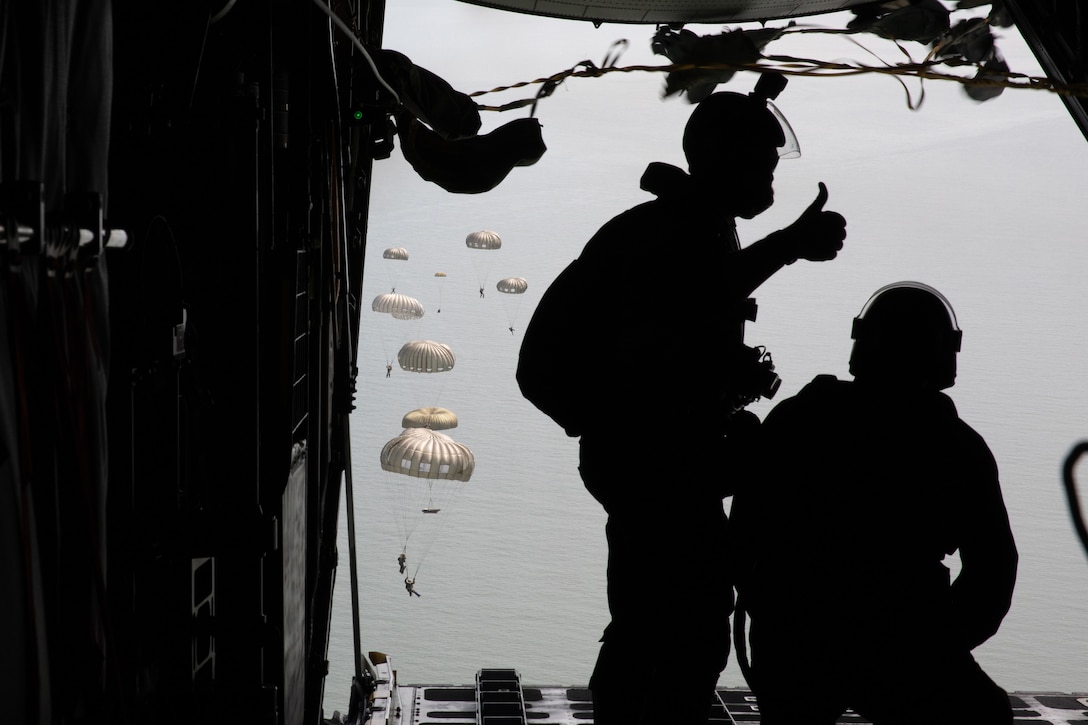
<point x="357" y="115"/>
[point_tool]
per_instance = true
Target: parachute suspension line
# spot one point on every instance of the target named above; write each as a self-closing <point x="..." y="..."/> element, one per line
<point x="408" y="525"/>
<point x="409" y="516"/>
<point x="441" y="388"/>
<point x="440" y="514"/>
<point x="441" y="277"/>
<point x="427" y="388"/>
<point x="425" y="513"/>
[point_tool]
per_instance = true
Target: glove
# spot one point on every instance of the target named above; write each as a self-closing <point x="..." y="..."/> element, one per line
<point x="817" y="235"/>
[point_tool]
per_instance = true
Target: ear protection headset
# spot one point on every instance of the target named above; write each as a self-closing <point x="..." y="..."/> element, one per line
<point x="907" y="330"/>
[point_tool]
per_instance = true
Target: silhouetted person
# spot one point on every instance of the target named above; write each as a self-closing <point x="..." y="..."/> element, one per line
<point x="410" y="585"/>
<point x="662" y="482"/>
<point x="863" y="487"/>
<point x="402" y="559"/>
<point x="388" y="370"/>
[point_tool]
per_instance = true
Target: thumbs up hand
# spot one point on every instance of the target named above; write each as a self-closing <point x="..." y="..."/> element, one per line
<point x="817" y="235"/>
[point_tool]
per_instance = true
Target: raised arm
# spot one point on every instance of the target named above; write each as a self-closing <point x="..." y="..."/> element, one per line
<point x="817" y="235"/>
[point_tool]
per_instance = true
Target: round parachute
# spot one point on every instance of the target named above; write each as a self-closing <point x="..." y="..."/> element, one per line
<point x="426" y="453"/>
<point x="512" y="285"/>
<point x="394" y="306"/>
<point x="512" y="305"/>
<point x="431" y="417"/>
<point x="481" y="263"/>
<point x="391" y="272"/>
<point x="427" y="470"/>
<point x="441" y="277"/>
<point x="483" y="240"/>
<point x="425" y="356"/>
<point x="402" y="307"/>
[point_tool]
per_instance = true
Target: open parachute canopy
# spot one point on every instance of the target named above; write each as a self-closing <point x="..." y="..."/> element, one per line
<point x="426" y="356"/>
<point x="402" y="307"/>
<point x="427" y="470"/>
<point x="395" y="253"/>
<point x="512" y="285"/>
<point x="431" y="417"/>
<point x="483" y="239"/>
<point x="426" y="453"/>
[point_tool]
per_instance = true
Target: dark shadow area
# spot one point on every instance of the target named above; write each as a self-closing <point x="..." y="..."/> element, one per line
<point x="858" y="490"/>
<point x="668" y="588"/>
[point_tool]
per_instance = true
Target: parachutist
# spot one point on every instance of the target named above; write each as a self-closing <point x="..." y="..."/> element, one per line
<point x="410" y="585"/>
<point x="388" y="370"/>
<point x="511" y="287"/>
<point x="732" y="144"/>
<point x="481" y="293"/>
<point x="904" y="616"/>
<point x="401" y="560"/>
<point x="440" y="463"/>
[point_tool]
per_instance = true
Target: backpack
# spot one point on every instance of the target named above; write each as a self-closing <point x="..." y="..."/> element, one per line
<point x="549" y="373"/>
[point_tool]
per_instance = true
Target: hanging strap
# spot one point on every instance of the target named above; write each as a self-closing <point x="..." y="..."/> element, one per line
<point x="1071" y="492"/>
<point x="740" y="644"/>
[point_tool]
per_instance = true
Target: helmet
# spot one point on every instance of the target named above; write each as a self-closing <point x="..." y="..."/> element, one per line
<point x="726" y="121"/>
<point x="907" y="331"/>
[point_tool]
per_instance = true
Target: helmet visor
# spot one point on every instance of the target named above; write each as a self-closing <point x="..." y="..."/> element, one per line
<point x="790" y="149"/>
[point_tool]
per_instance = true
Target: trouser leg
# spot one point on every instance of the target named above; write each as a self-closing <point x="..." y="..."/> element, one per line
<point x="634" y="685"/>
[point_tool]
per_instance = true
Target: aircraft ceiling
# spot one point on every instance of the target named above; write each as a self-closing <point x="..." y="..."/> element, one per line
<point x="670" y="11"/>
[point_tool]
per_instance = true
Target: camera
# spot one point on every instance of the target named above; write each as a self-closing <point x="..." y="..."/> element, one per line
<point x="751" y="376"/>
